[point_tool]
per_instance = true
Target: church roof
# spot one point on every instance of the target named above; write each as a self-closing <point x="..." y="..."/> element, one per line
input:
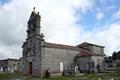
<point x="88" y="44"/>
<point x="86" y="53"/>
<point x="9" y="59"/>
<point x="82" y="53"/>
<point x="61" y="46"/>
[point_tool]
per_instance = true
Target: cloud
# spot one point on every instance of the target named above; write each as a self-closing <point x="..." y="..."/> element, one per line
<point x="116" y="15"/>
<point x="99" y="15"/>
<point x="58" y="22"/>
<point x="107" y="36"/>
<point x="9" y="52"/>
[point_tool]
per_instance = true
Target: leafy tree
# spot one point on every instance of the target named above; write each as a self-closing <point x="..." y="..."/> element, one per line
<point x="114" y="55"/>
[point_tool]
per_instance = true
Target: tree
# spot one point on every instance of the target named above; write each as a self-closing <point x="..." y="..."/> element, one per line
<point x="114" y="55"/>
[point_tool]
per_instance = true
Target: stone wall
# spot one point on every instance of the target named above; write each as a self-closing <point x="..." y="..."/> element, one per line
<point x="13" y="65"/>
<point x="82" y="62"/>
<point x="98" y="60"/>
<point x="98" y="50"/>
<point x="51" y="58"/>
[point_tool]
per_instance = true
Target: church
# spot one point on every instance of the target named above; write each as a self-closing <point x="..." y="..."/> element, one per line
<point x="40" y="56"/>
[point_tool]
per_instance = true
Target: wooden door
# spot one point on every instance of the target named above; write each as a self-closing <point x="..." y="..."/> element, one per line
<point x="30" y="67"/>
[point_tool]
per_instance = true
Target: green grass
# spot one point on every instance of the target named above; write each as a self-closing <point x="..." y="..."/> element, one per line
<point x="10" y="76"/>
<point x="92" y="76"/>
<point x="14" y="76"/>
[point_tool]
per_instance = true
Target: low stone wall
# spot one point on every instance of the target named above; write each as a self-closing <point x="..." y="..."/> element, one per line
<point x="55" y="74"/>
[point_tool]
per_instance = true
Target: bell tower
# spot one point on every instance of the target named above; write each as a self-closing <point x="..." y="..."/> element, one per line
<point x="32" y="46"/>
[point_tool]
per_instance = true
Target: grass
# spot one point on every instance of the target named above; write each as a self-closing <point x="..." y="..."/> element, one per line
<point x="10" y="76"/>
<point x="115" y="74"/>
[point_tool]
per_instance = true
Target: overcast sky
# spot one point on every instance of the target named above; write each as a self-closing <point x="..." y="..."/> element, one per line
<point x="63" y="21"/>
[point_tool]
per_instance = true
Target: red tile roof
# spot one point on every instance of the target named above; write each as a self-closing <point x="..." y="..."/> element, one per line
<point x="87" y="44"/>
<point x="83" y="52"/>
<point x="61" y="46"/>
<point x="86" y="53"/>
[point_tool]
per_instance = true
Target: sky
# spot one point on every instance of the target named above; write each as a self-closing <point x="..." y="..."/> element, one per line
<point x="69" y="22"/>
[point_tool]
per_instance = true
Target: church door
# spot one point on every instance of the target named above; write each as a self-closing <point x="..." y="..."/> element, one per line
<point x="30" y="67"/>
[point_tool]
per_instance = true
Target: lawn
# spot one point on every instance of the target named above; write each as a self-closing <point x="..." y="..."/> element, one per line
<point x="112" y="73"/>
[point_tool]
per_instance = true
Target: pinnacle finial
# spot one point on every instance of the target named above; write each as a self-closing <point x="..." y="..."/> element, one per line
<point x="34" y="9"/>
<point x="38" y="13"/>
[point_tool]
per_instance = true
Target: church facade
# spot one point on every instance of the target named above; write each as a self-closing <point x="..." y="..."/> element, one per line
<point x="40" y="56"/>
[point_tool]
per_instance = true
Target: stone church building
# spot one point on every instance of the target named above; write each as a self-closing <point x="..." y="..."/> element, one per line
<point x="40" y="56"/>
